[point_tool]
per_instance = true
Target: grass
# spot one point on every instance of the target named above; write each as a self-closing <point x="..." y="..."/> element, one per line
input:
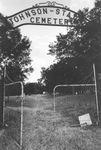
<point x="7" y="142"/>
<point x="46" y="130"/>
<point x="74" y="106"/>
<point x="13" y="120"/>
<point x="10" y="139"/>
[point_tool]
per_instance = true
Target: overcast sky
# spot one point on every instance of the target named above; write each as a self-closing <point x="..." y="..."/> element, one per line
<point x="40" y="36"/>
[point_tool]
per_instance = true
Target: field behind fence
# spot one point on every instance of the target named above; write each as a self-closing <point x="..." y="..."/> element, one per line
<point x="76" y="105"/>
<point x="12" y="117"/>
<point x="44" y="129"/>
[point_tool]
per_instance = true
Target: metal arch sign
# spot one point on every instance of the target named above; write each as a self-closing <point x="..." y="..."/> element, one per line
<point x="49" y="13"/>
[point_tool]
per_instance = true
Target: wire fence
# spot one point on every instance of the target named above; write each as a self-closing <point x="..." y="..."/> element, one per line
<point x="13" y="111"/>
<point x="12" y="121"/>
<point x="75" y="100"/>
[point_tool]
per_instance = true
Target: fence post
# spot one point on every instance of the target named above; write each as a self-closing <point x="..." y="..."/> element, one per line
<point x="96" y="92"/>
<point x="1" y="97"/>
<point x="98" y="84"/>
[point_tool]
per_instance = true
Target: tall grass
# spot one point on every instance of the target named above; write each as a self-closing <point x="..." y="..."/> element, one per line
<point x="46" y="130"/>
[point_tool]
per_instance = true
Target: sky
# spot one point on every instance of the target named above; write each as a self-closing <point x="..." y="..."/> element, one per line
<point x="40" y="36"/>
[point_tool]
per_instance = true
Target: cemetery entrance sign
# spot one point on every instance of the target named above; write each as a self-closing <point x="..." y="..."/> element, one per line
<point x="49" y="13"/>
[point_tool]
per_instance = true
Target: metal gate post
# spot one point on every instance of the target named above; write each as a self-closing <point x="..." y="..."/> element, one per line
<point x="98" y="79"/>
<point x="1" y="97"/>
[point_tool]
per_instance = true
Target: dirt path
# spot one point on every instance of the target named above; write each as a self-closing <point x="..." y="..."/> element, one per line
<point x="36" y="103"/>
<point x="44" y="130"/>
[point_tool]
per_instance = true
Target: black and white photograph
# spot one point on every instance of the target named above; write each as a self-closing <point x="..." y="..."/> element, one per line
<point x="50" y="75"/>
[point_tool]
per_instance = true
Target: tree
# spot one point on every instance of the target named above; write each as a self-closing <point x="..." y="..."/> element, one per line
<point x="33" y="88"/>
<point x="15" y="51"/>
<point x="76" y="51"/>
<point x="67" y="71"/>
<point x="80" y="41"/>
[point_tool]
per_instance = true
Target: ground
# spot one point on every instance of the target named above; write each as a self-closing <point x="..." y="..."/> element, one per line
<point x="44" y="129"/>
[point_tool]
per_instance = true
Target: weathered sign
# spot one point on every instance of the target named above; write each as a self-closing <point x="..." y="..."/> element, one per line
<point x="49" y="13"/>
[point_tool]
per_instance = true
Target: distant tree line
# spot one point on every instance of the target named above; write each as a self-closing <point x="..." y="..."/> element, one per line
<point x="33" y="88"/>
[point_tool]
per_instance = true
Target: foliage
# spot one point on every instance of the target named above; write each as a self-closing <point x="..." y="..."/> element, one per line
<point x="76" y="51"/>
<point x="67" y="71"/>
<point x="33" y="88"/>
<point x="81" y="41"/>
<point x="15" y="51"/>
<point x="61" y="130"/>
